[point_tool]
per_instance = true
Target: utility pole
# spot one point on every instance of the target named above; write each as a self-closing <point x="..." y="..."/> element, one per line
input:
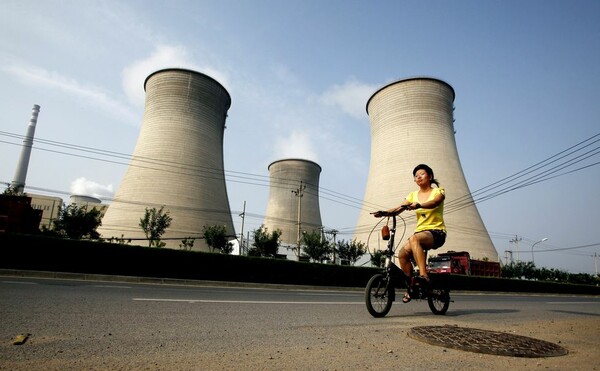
<point x="322" y="229"/>
<point x="299" y="192"/>
<point x="243" y="215"/>
<point x="540" y="241"/>
<point x="596" y="263"/>
<point x="506" y="253"/>
<point x="334" y="233"/>
<point x="516" y="242"/>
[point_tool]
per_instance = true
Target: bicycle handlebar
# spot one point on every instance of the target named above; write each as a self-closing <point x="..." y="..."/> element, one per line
<point x="383" y="213"/>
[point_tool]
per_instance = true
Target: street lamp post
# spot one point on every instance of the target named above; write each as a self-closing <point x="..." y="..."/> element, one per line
<point x="542" y="240"/>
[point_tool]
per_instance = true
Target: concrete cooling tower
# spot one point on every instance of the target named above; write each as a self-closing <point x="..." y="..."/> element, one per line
<point x="177" y="162"/>
<point x="412" y="123"/>
<point x="293" y="197"/>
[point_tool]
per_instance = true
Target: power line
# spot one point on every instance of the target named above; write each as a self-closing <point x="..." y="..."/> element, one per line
<point x="568" y="248"/>
<point x="534" y="174"/>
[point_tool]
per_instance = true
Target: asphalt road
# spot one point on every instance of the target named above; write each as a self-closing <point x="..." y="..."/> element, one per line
<point x="72" y="324"/>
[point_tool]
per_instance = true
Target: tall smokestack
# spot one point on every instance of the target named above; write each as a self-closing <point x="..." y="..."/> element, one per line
<point x="18" y="183"/>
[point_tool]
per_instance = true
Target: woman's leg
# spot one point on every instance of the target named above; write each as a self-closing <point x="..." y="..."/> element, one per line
<point x="416" y="246"/>
<point x="404" y="257"/>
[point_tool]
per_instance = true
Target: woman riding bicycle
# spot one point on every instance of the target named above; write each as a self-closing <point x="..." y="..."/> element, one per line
<point x="430" y="232"/>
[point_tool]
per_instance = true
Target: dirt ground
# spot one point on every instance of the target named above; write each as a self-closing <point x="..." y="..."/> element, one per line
<point x="375" y="346"/>
<point x="389" y="348"/>
<point x="363" y="343"/>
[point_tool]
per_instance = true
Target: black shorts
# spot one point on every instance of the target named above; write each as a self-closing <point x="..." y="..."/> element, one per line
<point x="439" y="237"/>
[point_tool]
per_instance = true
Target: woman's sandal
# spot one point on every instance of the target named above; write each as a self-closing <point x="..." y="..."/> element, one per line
<point x="406" y="298"/>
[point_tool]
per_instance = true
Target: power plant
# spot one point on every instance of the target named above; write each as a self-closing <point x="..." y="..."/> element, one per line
<point x="177" y="162"/>
<point x="178" y="165"/>
<point x="293" y="205"/>
<point x="412" y="123"/>
<point x="18" y="183"/>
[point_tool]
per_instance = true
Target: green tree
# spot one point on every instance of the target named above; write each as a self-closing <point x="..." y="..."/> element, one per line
<point x="527" y="270"/>
<point x="378" y="258"/>
<point x="351" y="251"/>
<point x="216" y="238"/>
<point x="119" y="240"/>
<point x="581" y="278"/>
<point x="519" y="270"/>
<point x="187" y="243"/>
<point x="77" y="222"/>
<point x="265" y="243"/>
<point x="316" y="247"/>
<point x="154" y="224"/>
<point x="12" y="191"/>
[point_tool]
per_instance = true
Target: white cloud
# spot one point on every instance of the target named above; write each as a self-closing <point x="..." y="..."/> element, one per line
<point x="93" y="96"/>
<point x="351" y="97"/>
<point x="296" y="145"/>
<point x="164" y="56"/>
<point x="84" y="187"/>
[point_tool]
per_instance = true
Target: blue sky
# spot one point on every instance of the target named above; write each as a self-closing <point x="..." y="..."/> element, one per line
<point x="526" y="76"/>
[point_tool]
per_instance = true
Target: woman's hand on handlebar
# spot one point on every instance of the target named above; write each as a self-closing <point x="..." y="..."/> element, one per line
<point x="380" y="213"/>
<point x="391" y="212"/>
<point x="413" y="206"/>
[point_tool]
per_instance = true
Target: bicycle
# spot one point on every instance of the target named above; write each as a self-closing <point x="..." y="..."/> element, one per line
<point x="380" y="292"/>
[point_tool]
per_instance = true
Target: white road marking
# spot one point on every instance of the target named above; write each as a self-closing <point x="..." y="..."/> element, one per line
<point x="249" y="301"/>
<point x="572" y="302"/>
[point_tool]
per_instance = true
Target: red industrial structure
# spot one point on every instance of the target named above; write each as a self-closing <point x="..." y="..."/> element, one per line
<point x="17" y="215"/>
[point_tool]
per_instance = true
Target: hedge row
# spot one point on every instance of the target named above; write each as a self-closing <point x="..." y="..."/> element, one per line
<point x="40" y="253"/>
<point x="86" y="257"/>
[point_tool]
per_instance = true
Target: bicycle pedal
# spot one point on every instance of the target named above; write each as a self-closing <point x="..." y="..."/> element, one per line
<point x="415" y="292"/>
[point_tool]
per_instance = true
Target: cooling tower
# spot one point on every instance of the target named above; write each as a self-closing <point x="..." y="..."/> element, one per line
<point x="177" y="162"/>
<point x="83" y="200"/>
<point x="293" y="197"/>
<point x="412" y="123"/>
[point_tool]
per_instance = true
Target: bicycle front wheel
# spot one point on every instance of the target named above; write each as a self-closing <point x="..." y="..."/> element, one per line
<point x="377" y="295"/>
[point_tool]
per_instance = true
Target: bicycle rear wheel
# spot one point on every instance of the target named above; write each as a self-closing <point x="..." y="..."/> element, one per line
<point x="439" y="301"/>
<point x="377" y="295"/>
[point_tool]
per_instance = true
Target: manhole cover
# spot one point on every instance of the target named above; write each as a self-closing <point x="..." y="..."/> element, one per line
<point x="483" y="341"/>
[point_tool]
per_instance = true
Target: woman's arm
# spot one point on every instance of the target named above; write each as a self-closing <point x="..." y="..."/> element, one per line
<point x="430" y="204"/>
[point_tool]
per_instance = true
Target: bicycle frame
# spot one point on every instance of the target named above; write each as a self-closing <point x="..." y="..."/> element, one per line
<point x="395" y="274"/>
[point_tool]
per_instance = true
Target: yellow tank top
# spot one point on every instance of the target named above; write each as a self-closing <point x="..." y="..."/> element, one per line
<point x="429" y="218"/>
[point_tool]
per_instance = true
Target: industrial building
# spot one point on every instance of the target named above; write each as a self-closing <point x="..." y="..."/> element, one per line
<point x="178" y="165"/>
<point x="47" y="207"/>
